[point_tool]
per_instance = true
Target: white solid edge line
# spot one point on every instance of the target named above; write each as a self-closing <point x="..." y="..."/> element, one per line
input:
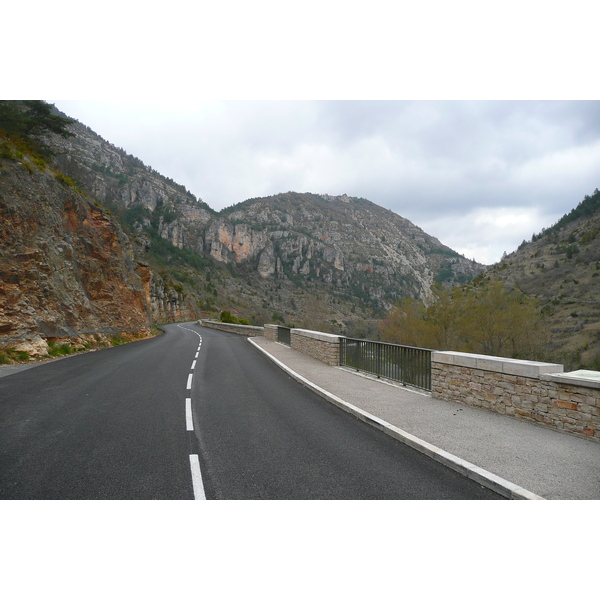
<point x="498" y="484"/>
<point x="197" y="478"/>
<point x="189" y="421"/>
<point x="189" y="381"/>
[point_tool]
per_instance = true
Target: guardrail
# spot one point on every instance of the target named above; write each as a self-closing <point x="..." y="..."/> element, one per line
<point x="410" y="366"/>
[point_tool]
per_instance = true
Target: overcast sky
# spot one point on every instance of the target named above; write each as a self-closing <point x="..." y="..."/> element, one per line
<point x="479" y="175"/>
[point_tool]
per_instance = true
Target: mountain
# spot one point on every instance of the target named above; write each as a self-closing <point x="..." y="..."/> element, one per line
<point x="346" y="250"/>
<point x="330" y="262"/>
<point x="561" y="268"/>
<point x="350" y="245"/>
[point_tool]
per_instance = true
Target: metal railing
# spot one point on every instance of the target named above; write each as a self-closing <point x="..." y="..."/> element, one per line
<point x="410" y="366"/>
<point x="284" y="335"/>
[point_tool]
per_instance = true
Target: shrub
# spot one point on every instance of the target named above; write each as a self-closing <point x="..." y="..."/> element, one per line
<point x="62" y="350"/>
<point x="39" y="161"/>
<point x="66" y="180"/>
<point x="227" y="317"/>
<point x="9" y="355"/>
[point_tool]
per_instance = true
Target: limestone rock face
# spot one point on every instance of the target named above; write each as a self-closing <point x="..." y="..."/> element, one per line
<point x="120" y="181"/>
<point x="36" y="346"/>
<point x="267" y="263"/>
<point x="66" y="268"/>
<point x="227" y="242"/>
<point x="338" y="242"/>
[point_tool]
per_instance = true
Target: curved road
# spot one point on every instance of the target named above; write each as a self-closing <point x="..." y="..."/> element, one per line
<point x="196" y="413"/>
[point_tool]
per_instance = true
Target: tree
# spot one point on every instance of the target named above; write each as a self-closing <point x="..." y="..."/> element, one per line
<point x="29" y="119"/>
<point x="443" y="318"/>
<point x="498" y="321"/>
<point x="485" y="319"/>
<point x="405" y="324"/>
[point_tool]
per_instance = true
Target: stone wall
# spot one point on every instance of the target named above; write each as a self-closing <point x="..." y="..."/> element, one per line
<point x="528" y="390"/>
<point x="322" y="346"/>
<point x="247" y="330"/>
<point x="270" y="332"/>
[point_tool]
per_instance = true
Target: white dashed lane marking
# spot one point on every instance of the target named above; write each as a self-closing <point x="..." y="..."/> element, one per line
<point x="197" y="478"/>
<point x="197" y="483"/>
<point x="189" y="421"/>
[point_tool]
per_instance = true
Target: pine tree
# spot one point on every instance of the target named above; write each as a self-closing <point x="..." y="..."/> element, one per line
<point x="29" y="119"/>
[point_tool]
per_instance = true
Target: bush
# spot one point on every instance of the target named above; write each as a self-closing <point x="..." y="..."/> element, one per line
<point x="66" y="180"/>
<point x="227" y="317"/>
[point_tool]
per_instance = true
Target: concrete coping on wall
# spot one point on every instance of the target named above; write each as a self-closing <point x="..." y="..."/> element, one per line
<point x="509" y="366"/>
<point x="317" y="335"/>
<point x="270" y="326"/>
<point x="232" y="325"/>
<point x="583" y="378"/>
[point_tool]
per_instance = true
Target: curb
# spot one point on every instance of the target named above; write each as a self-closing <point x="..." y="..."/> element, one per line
<point x="486" y="478"/>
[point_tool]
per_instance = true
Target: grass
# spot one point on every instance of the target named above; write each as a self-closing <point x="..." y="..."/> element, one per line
<point x="117" y="340"/>
<point x="59" y="350"/>
<point x="9" y="356"/>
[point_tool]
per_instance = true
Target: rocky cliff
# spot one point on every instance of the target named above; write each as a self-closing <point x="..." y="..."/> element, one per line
<point x="122" y="182"/>
<point x="66" y="267"/>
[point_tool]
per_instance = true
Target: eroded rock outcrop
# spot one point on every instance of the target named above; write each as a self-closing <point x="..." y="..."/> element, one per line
<point x="66" y="267"/>
<point x="229" y="242"/>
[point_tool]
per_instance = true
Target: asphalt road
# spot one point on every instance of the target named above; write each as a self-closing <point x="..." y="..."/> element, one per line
<point x="196" y="413"/>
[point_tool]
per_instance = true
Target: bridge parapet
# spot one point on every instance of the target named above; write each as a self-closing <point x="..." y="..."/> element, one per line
<point x="528" y="390"/>
<point x="322" y="346"/>
<point x="270" y="332"/>
<point x="247" y="330"/>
